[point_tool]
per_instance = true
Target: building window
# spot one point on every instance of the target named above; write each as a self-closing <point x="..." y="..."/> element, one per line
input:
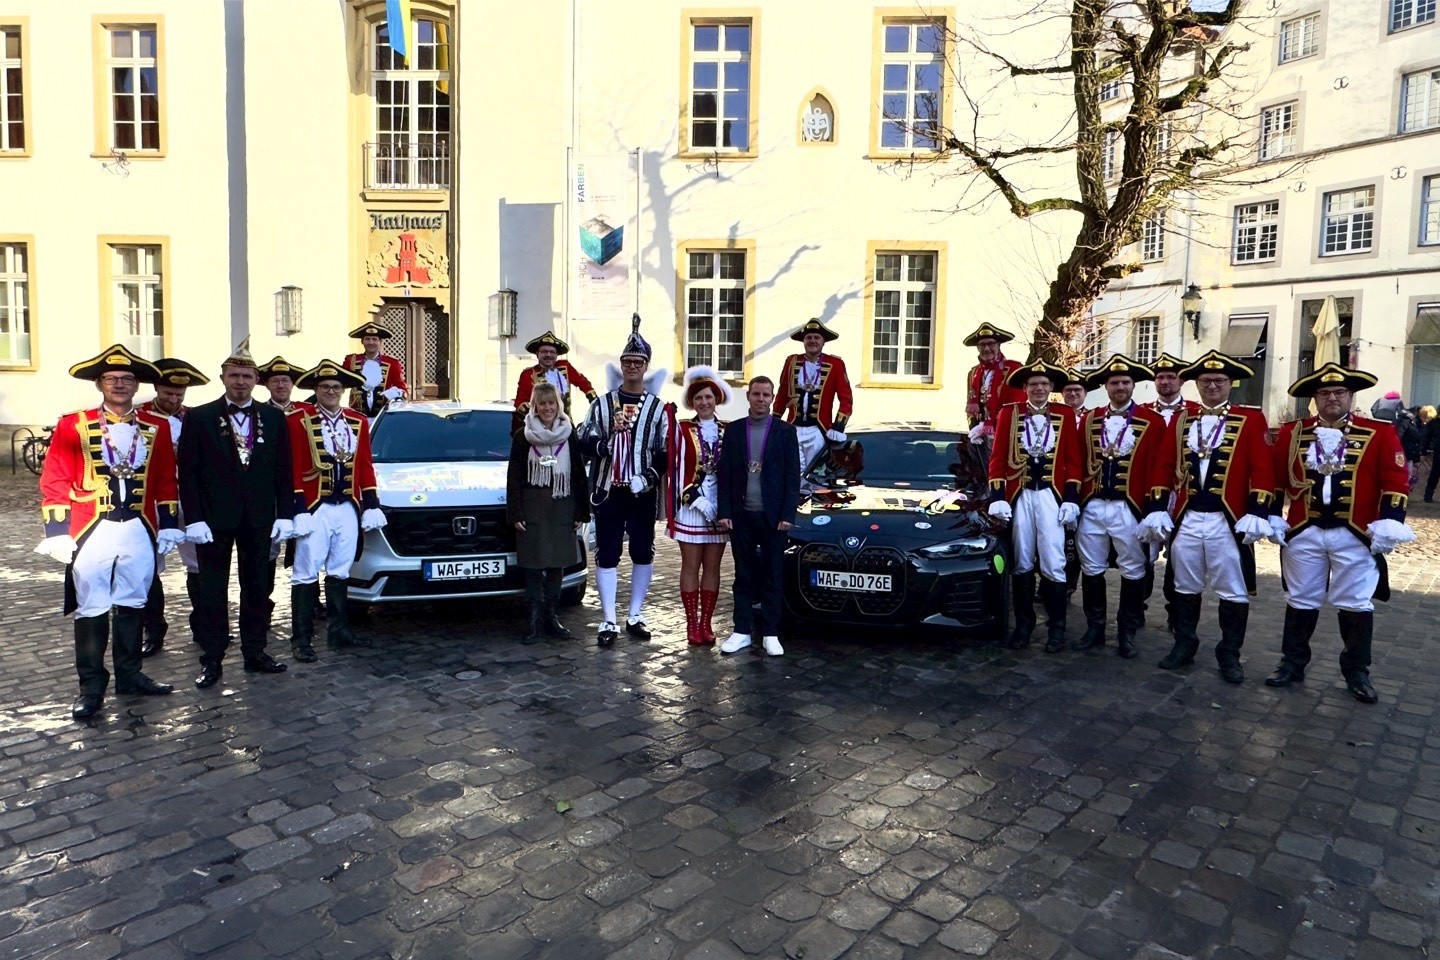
<point x="1112" y="89"/>
<point x="1164" y="140"/>
<point x="411" y="150"/>
<point x="1299" y="38"/>
<point x="1277" y="130"/>
<point x="715" y="310"/>
<point x="1091" y="341"/>
<point x="12" y="90"/>
<point x="1108" y="166"/>
<point x="1152" y="239"/>
<point x="1420" y="101"/>
<point x="1145" y="339"/>
<point x="138" y="298"/>
<point x="134" y="87"/>
<point x="14" y="304"/>
<point x="1410" y="13"/>
<point x="911" y="71"/>
<point x="904" y="311"/>
<point x="1349" y="221"/>
<point x="720" y="86"/>
<point x="1257" y="231"/>
<point x="1430" y="210"/>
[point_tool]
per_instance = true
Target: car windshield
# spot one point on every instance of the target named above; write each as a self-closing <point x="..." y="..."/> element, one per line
<point x="922" y="459"/>
<point x="417" y="436"/>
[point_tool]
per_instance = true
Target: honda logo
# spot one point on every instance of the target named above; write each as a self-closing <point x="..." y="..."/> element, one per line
<point x="463" y="526"/>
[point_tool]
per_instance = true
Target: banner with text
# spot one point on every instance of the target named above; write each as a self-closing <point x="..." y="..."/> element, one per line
<point x="604" y="235"/>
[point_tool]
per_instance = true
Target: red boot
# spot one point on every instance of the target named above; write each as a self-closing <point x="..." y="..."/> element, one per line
<point x="690" y="599"/>
<point x="707" y="610"/>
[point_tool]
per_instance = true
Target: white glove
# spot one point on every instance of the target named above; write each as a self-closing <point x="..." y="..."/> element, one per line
<point x="637" y="484"/>
<point x="61" y="548"/>
<point x="392" y="393"/>
<point x="199" y="533"/>
<point x="1278" y="529"/>
<point x="705" y="508"/>
<point x="282" y="530"/>
<point x="1069" y="514"/>
<point x="834" y="436"/>
<point x="1386" y="535"/>
<point x="167" y="540"/>
<point x="304" y="524"/>
<point x="372" y="519"/>
<point x="1000" y="510"/>
<point x="1254" y="529"/>
<point x="979" y="433"/>
<point x="1155" y="528"/>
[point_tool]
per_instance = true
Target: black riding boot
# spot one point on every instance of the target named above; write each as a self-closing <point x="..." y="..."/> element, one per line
<point x="1092" y="601"/>
<point x="1187" y="639"/>
<point x="1357" y="630"/>
<point x="1147" y="587"/>
<point x="129" y="624"/>
<point x="1233" y="619"/>
<point x="1023" y="591"/>
<point x="304" y="598"/>
<point x="1169" y="588"/>
<point x="1055" y="598"/>
<point x="1130" y="617"/>
<point x="1294" y="647"/>
<point x="550" y="621"/>
<point x="192" y="590"/>
<point x="92" y="636"/>
<point x="337" y="604"/>
<point x="535" y="600"/>
<point x="155" y="625"/>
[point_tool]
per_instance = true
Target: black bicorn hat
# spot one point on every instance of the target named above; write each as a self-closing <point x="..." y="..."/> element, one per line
<point x="1217" y="362"/>
<point x="280" y="367"/>
<point x="1072" y="378"/>
<point x="370" y="329"/>
<point x="1169" y="363"/>
<point x="1332" y="375"/>
<point x="988" y="331"/>
<point x="1118" y="365"/>
<point x="178" y="373"/>
<point x="329" y="370"/>
<point x="547" y="339"/>
<point x="116" y="358"/>
<point x="814" y="325"/>
<point x="1038" y="368"/>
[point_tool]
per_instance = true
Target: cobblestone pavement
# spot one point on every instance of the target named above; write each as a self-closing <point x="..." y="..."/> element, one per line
<point x="451" y="792"/>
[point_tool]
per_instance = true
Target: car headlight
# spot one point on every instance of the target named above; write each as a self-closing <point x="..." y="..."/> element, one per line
<point x="953" y="549"/>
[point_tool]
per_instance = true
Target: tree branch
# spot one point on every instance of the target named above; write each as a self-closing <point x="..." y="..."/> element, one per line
<point x="1020" y="208"/>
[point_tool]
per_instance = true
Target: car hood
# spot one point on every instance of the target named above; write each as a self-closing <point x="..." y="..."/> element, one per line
<point x="438" y="484"/>
<point x="903" y="512"/>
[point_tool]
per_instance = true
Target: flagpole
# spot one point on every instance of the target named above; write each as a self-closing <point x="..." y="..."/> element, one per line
<point x="636" y="255"/>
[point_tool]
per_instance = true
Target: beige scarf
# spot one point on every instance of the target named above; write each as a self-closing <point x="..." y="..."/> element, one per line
<point x="548" y="463"/>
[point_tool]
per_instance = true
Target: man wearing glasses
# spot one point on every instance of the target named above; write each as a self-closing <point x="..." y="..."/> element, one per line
<point x="107" y="496"/>
<point x="624" y="437"/>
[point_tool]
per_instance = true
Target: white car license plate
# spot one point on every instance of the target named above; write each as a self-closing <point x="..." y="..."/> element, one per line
<point x="855" y="582"/>
<point x="468" y="569"/>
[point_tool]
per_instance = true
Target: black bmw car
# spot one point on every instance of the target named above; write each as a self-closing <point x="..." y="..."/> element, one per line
<point x="896" y="534"/>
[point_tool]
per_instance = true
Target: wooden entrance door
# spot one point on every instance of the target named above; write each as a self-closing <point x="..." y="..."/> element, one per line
<point x="420" y="337"/>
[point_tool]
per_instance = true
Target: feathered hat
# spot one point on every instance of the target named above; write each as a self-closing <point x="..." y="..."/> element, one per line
<point x="698" y="378"/>
<point x="636" y="346"/>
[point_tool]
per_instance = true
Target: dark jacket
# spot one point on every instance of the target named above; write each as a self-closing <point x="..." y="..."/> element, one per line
<point x="1431" y="430"/>
<point x="515" y="478"/>
<point x="1407" y="427"/>
<point x="779" y="477"/>
<point x="214" y="488"/>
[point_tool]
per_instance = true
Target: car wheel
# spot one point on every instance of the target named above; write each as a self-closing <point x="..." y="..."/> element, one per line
<point x="573" y="596"/>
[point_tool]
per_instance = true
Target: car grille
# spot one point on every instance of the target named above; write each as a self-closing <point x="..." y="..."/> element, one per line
<point x="964" y="600"/>
<point x="881" y="560"/>
<point x="827" y="556"/>
<point x="822" y="556"/>
<point x="432" y="533"/>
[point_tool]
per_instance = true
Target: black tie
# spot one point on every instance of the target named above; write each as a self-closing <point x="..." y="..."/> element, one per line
<point x="236" y="411"/>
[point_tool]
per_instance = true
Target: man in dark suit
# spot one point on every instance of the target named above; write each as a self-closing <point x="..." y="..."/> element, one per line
<point x="759" y="486"/>
<point x="237" y="493"/>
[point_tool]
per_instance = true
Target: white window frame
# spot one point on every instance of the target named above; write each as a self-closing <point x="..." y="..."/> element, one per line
<point x="137" y="66"/>
<point x="1109" y="169"/>
<point x="411" y="158"/>
<point x="912" y="60"/>
<point x="1256" y="226"/>
<point x="725" y="121"/>
<point x="1351" y="220"/>
<point x="1279" y="129"/>
<point x="139" y="318"/>
<point x="1152" y="238"/>
<point x="10" y="100"/>
<point x="16" y="342"/>
<point x="1405" y="14"/>
<point x="1429" y="232"/>
<point x="1144" y="339"/>
<point x="1420" y="100"/>
<point x="1094" y="341"/>
<point x="904" y="343"/>
<point x="708" y="350"/>
<point x="1299" y="38"/>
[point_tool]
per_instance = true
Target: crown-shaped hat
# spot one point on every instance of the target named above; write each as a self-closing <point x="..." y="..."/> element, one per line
<point x="636" y="346"/>
<point x="240" y="356"/>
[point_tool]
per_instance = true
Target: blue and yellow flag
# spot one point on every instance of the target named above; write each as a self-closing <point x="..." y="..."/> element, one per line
<point x="397" y="25"/>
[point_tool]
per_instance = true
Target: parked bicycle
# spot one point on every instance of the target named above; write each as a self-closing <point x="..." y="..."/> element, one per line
<point x="34" y="449"/>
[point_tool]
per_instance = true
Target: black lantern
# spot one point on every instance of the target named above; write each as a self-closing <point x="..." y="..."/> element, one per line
<point x="1190" y="305"/>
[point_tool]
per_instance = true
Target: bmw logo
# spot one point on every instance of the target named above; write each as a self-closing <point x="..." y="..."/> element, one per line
<point x="852" y="542"/>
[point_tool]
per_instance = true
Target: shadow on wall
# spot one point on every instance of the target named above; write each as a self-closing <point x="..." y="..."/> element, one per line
<point x="527" y="254"/>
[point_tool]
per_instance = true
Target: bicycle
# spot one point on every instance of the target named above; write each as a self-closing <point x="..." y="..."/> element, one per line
<point x="34" y="449"/>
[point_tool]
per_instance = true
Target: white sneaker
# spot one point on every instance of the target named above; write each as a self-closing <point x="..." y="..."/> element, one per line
<point x="772" y="647"/>
<point x="736" y="643"/>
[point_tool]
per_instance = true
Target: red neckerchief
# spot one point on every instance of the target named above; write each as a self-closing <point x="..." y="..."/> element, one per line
<point x="997" y="365"/>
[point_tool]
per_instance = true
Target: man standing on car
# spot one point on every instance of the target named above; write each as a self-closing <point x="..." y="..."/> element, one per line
<point x="548" y="349"/>
<point x="383" y="376"/>
<point x="1126" y="476"/>
<point x="989" y="383"/>
<point x="759" y="490"/>
<point x="814" y="393"/>
<point x="624" y="436"/>
<point x="1035" y="487"/>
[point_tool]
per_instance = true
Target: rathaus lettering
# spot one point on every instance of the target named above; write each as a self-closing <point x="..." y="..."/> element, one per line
<point x="405" y="221"/>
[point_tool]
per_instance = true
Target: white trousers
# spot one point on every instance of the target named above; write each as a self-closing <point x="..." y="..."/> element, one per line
<point x="1037" y="534"/>
<point x="1106" y="522"/>
<point x="1205" y="557"/>
<point x="113" y="567"/>
<point x="331" y="547"/>
<point x="1329" y="565"/>
<point x="812" y="444"/>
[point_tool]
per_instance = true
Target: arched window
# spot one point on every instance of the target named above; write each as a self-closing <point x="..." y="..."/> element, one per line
<point x="411" y="147"/>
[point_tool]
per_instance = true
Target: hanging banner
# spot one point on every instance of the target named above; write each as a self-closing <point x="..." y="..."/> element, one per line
<point x="605" y="233"/>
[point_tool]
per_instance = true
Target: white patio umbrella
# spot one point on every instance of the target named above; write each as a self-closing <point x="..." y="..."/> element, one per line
<point x="1327" y="337"/>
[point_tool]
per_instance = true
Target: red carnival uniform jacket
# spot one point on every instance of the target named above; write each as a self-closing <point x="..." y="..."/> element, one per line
<point x="531" y="376"/>
<point x="1371" y="484"/>
<point x="1241" y="476"/>
<point x="989" y="401"/>
<point x="314" y="467"/>
<point x="834" y="388"/>
<point x="1146" y="474"/>
<point x="75" y="488"/>
<point x="392" y="373"/>
<point x="1010" y="464"/>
